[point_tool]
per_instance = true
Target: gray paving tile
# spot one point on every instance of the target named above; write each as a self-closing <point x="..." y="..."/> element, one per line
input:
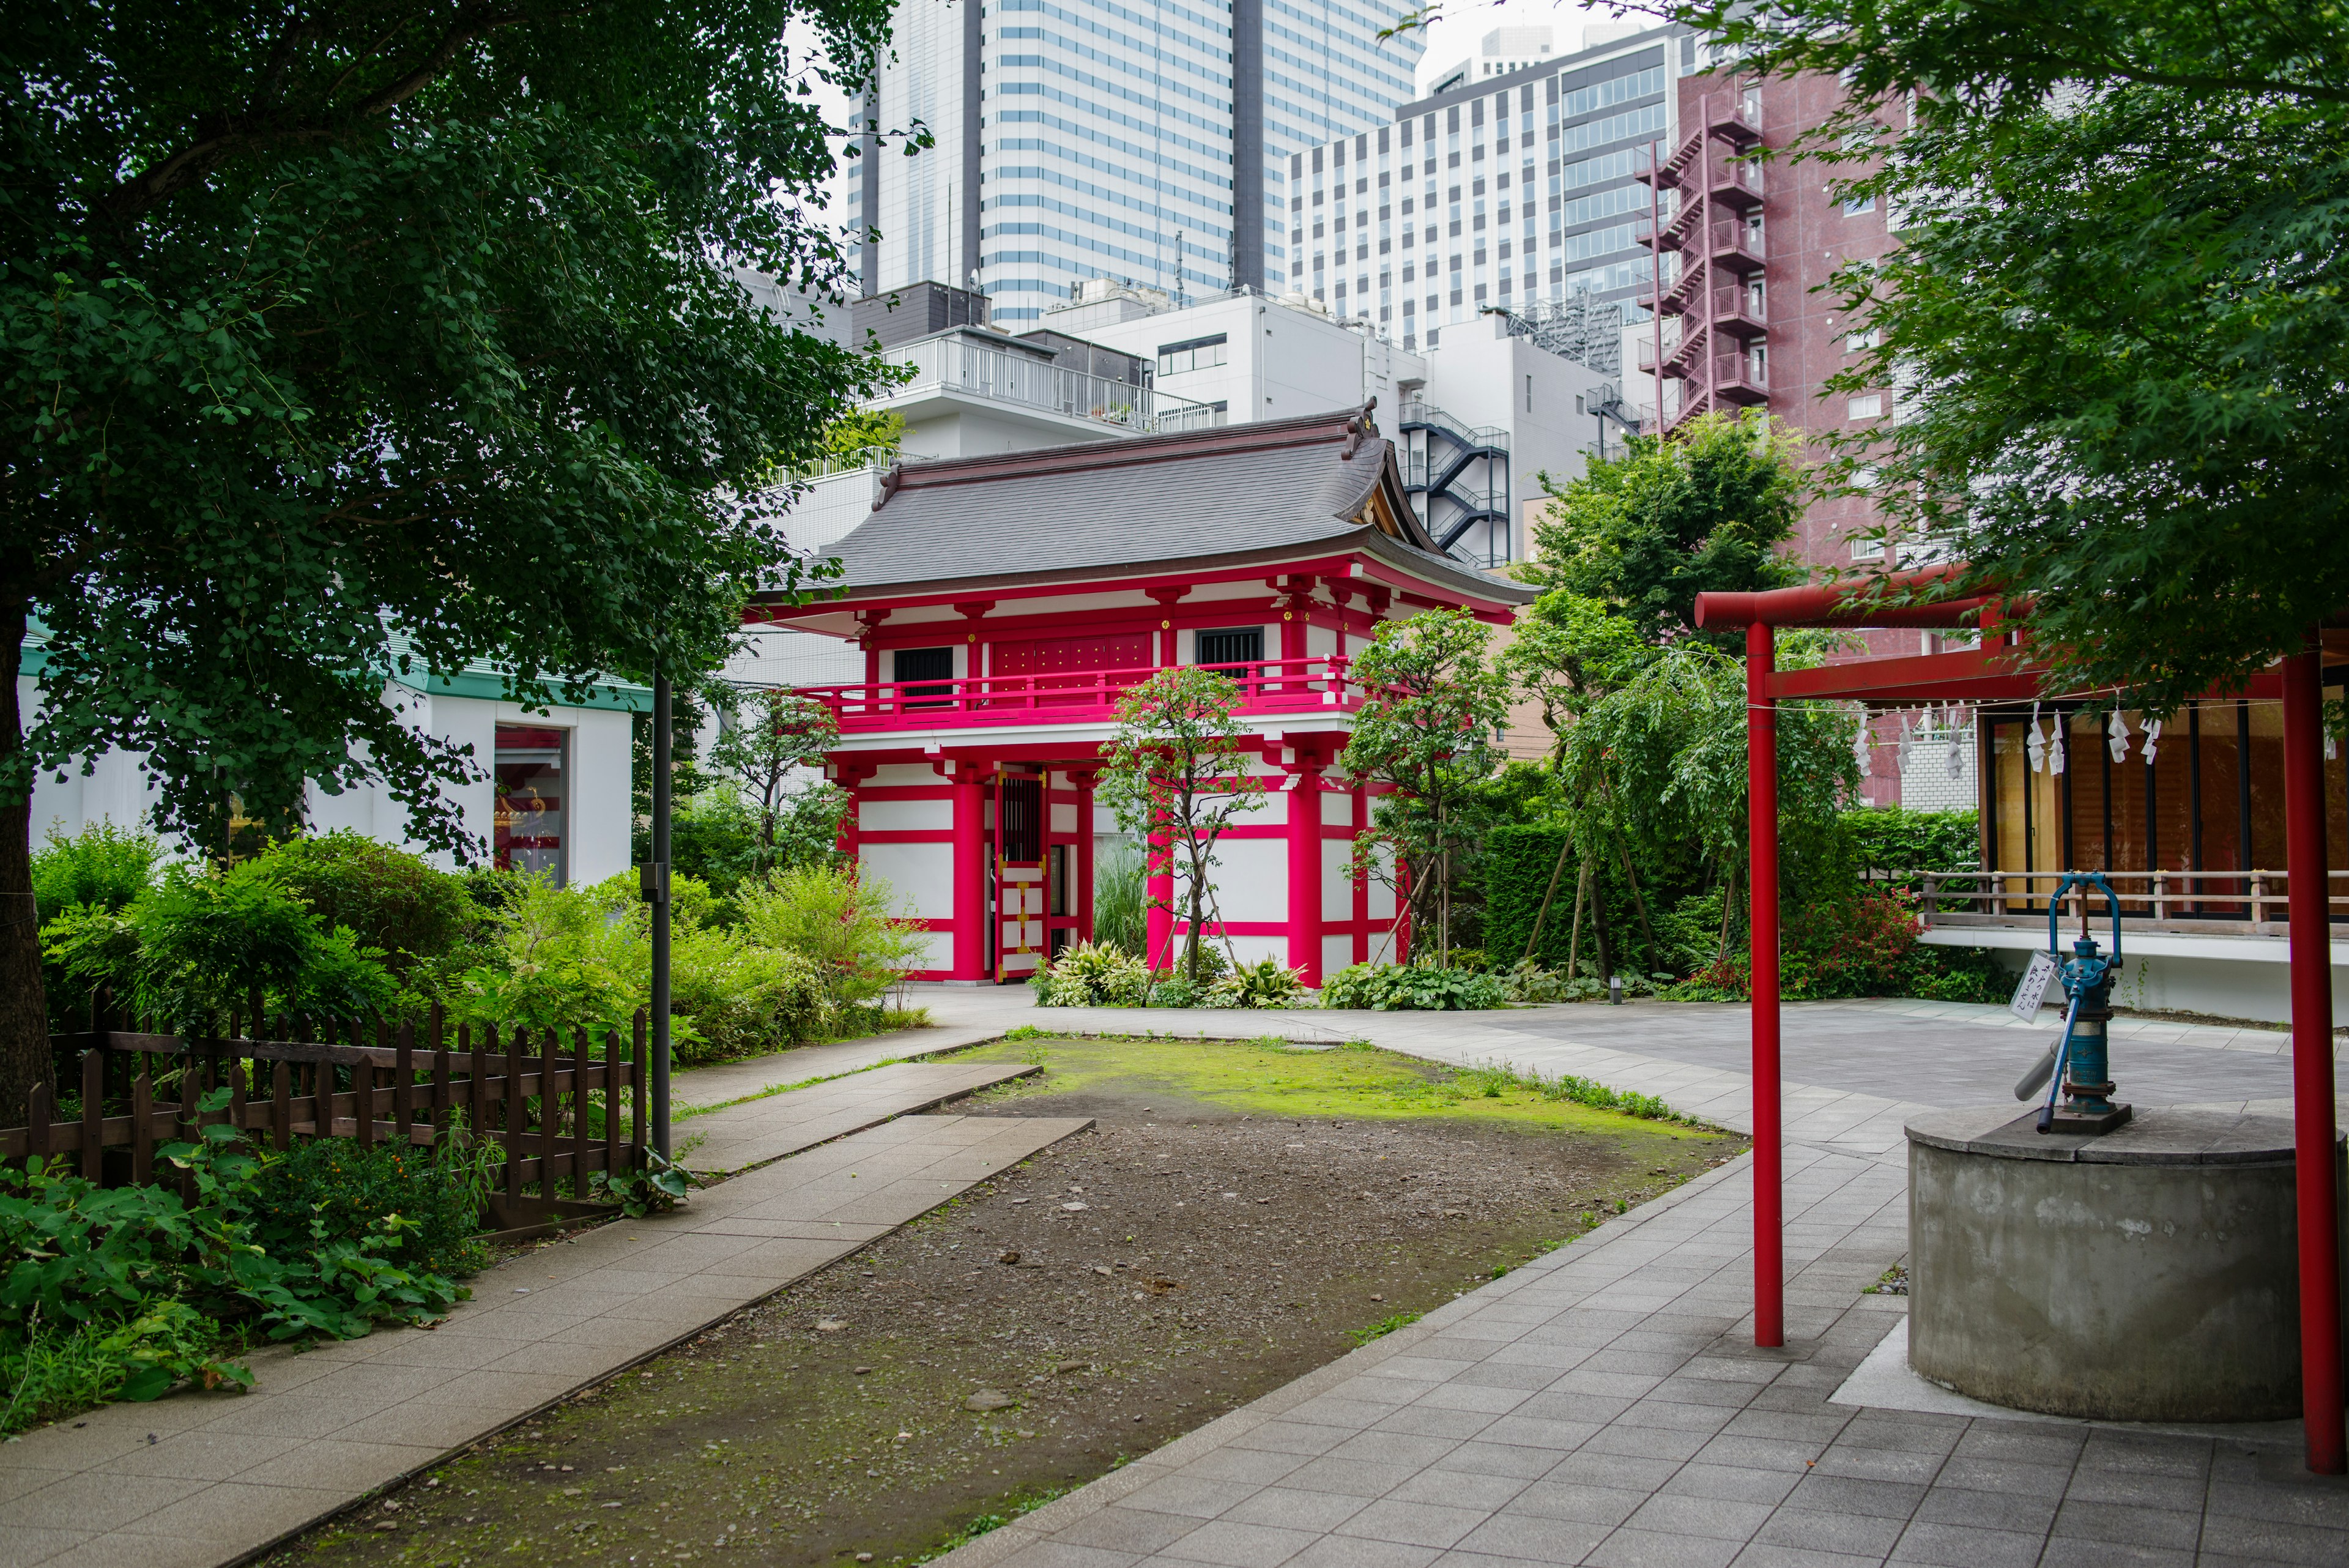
<point x="1119" y="1529"/>
<point x="1724" y="1519"/>
<point x="1962" y="1546"/>
<point x="1330" y="1552"/>
<point x="1521" y="1537"/>
<point x="1628" y="1548"/>
<point x="1236" y="1545"/>
<point x="1731" y="1482"/>
<point x="1841" y="1533"/>
<point x="1413" y="1523"/>
<point x="1298" y="1508"/>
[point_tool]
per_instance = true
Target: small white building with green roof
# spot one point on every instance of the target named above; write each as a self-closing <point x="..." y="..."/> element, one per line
<point x="556" y="798"/>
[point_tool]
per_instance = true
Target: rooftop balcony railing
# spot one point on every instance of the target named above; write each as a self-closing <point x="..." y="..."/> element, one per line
<point x="1320" y="684"/>
<point x="955" y="364"/>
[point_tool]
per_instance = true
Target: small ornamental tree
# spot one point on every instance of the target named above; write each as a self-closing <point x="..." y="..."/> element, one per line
<point x="1180" y="770"/>
<point x="774" y="739"/>
<point x="1431" y="732"/>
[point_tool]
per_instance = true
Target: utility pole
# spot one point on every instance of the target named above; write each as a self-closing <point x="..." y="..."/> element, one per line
<point x="656" y="891"/>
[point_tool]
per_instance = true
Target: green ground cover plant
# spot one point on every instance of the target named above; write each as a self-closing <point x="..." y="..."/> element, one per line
<point x="1279" y="1078"/>
<point x="126" y="1292"/>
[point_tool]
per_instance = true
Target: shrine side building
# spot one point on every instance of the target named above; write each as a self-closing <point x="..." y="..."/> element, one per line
<point x="1003" y="604"/>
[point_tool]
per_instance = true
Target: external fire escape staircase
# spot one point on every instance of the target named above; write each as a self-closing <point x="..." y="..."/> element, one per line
<point x="1700" y="200"/>
<point x="1464" y="467"/>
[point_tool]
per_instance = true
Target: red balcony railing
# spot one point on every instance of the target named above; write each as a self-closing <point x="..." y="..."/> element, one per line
<point x="1073" y="697"/>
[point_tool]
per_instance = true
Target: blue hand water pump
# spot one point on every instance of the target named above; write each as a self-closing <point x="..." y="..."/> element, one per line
<point x="2079" y="1091"/>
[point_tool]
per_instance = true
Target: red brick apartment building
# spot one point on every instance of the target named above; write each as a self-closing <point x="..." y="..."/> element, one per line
<point x="1744" y="320"/>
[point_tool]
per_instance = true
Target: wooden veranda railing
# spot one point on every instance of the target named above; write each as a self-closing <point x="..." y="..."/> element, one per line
<point x="2213" y="903"/>
<point x="550" y="1102"/>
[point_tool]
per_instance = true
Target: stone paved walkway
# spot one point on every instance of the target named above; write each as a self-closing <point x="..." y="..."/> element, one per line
<point x="196" y="1480"/>
<point x="1605" y="1405"/>
<point x="742" y="1135"/>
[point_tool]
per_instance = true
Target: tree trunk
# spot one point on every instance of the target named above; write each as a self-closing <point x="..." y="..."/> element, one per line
<point x="1533" y="942"/>
<point x="1574" y="942"/>
<point x="1623" y="856"/>
<point x="1599" y="930"/>
<point x="1198" y="893"/>
<point x="24" y="1006"/>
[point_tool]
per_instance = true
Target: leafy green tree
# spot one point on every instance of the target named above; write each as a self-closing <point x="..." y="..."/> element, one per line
<point x="346" y="339"/>
<point x="1569" y="650"/>
<point x="1431" y="732"/>
<point x="773" y="752"/>
<point x="2119" y="323"/>
<point x="1705" y="508"/>
<point x="1178" y="771"/>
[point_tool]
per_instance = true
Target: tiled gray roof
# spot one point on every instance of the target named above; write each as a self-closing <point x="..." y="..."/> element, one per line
<point x="1236" y="491"/>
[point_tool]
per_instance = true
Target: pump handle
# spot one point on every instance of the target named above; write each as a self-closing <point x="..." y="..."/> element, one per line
<point x="2083" y="879"/>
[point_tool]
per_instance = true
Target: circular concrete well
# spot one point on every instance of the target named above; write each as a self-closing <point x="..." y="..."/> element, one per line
<point x="2150" y="1274"/>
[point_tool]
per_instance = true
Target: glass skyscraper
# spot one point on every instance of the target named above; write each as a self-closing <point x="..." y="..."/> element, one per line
<point x="1146" y="140"/>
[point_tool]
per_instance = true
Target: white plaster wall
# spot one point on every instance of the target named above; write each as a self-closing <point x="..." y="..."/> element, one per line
<point x="1337" y="883"/>
<point x="920" y="876"/>
<point x="905" y="816"/>
<point x="1336" y="953"/>
<point x="905" y="773"/>
<point x="1337" y="809"/>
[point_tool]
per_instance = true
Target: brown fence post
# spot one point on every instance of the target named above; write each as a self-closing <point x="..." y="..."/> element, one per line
<point x="363" y="1092"/>
<point x="93" y="1115"/>
<point x="549" y="1111"/>
<point x="583" y="1138"/>
<point x="636" y="1094"/>
<point x="442" y="1090"/>
<point x="611" y="1103"/>
<point x="322" y="1086"/>
<point x="40" y="1110"/>
<point x="281" y="1106"/>
<point x="403" y="1085"/>
<point x="517" y="1109"/>
<point x="142" y="1129"/>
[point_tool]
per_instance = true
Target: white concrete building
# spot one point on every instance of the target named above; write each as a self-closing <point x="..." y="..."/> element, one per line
<point x="555" y="800"/>
<point x="1502" y="192"/>
<point x="1142" y="140"/>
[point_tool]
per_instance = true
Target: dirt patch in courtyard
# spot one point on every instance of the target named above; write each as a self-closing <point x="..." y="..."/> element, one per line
<point x="1194" y="1252"/>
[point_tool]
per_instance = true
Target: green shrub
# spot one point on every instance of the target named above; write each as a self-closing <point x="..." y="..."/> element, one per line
<point x="102" y="865"/>
<point x="1121" y="915"/>
<point x="736" y="1000"/>
<point x="332" y="1186"/>
<point x="1411" y="987"/>
<point x="559" y="958"/>
<point x="1264" y="983"/>
<point x="1892" y="841"/>
<point x="1516" y="862"/>
<point x="200" y="943"/>
<point x="839" y="920"/>
<point x="1093" y="975"/>
<point x="389" y="898"/>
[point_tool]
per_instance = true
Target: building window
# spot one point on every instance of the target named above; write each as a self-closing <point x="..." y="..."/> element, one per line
<point x="909" y="664"/>
<point x="530" y="801"/>
<point x="1867" y="406"/>
<point x="1235" y="652"/>
<point x="1854" y="207"/>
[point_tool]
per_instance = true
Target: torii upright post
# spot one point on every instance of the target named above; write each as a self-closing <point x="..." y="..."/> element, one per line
<point x="2317" y="1200"/>
<point x="1762" y="907"/>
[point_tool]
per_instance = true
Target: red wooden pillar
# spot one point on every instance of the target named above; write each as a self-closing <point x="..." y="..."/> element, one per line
<point x="1761" y="834"/>
<point x="1084" y="782"/>
<point x="1305" y="872"/>
<point x="2318" y="1200"/>
<point x="969" y="871"/>
<point x="1158" y="892"/>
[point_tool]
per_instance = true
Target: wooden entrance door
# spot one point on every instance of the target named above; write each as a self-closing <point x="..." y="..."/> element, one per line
<point x="1019" y="914"/>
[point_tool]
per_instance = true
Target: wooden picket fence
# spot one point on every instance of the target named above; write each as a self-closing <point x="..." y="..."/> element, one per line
<point x="525" y="1091"/>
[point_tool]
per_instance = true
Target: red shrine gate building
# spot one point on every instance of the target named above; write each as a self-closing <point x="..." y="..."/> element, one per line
<point x="1003" y="604"/>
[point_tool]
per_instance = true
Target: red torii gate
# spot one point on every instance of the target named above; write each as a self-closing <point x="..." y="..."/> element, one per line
<point x="1999" y="668"/>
